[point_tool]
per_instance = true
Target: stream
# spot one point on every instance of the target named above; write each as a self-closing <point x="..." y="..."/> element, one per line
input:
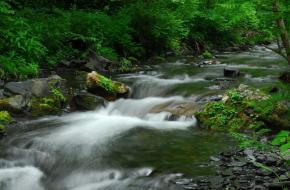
<point x="125" y="145"/>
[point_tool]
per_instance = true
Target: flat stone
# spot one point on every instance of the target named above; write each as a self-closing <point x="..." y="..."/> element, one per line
<point x="36" y="87"/>
<point x="212" y="158"/>
<point x="183" y="181"/>
<point x="237" y="164"/>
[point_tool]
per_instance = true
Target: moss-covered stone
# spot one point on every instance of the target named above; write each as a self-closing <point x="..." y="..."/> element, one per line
<point x="50" y="105"/>
<point x="15" y="104"/>
<point x="86" y="101"/>
<point x="4" y="104"/>
<point x="5" y="118"/>
<point x="105" y="87"/>
<point x="44" y="106"/>
<point x="245" y="108"/>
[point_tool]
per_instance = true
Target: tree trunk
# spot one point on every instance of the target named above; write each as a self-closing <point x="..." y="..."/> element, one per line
<point x="281" y="26"/>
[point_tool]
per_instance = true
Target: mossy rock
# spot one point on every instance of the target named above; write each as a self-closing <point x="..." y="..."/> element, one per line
<point x="207" y="55"/>
<point x="86" y="101"/>
<point x="16" y="104"/>
<point x="102" y="86"/>
<point x="2" y="130"/>
<point x="45" y="106"/>
<point x="5" y="118"/>
<point x="245" y="108"/>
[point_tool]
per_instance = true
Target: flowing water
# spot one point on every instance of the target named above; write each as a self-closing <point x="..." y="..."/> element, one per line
<point x="125" y="145"/>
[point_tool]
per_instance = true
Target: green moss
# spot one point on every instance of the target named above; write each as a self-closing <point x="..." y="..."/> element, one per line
<point x="44" y="106"/>
<point x="108" y="85"/>
<point x="245" y="109"/>
<point x="207" y="55"/>
<point x="5" y="118"/>
<point x="4" y="104"/>
<point x="2" y="129"/>
<point x="48" y="106"/>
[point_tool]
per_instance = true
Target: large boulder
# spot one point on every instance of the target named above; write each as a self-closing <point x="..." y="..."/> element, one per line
<point x="40" y="87"/>
<point x="105" y="87"/>
<point x="98" y="63"/>
<point x="178" y="110"/>
<point x="15" y="104"/>
<point x="75" y="63"/>
<point x="95" y="63"/>
<point x="38" y="97"/>
<point x="243" y="109"/>
<point x="86" y="101"/>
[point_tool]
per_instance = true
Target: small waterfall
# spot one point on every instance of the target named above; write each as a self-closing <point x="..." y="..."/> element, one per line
<point x="84" y="137"/>
<point x="155" y="85"/>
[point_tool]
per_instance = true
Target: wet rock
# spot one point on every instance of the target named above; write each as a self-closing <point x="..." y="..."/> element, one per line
<point x="75" y="63"/>
<point x="186" y="110"/>
<point x="212" y="158"/>
<point x="98" y="63"/>
<point x="40" y="87"/>
<point x="237" y="164"/>
<point x="285" y="77"/>
<point x="230" y="72"/>
<point x="183" y="181"/>
<point x="2" y="93"/>
<point x="2" y="83"/>
<point x="236" y="172"/>
<point x="86" y="101"/>
<point x="279" y="185"/>
<point x="213" y="98"/>
<point x="259" y="187"/>
<point x="15" y="104"/>
<point x="102" y="86"/>
<point x="206" y="62"/>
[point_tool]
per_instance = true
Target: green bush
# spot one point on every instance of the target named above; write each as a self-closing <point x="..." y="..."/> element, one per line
<point x="282" y="139"/>
<point x="207" y="55"/>
<point x="246" y="109"/>
<point x="37" y="34"/>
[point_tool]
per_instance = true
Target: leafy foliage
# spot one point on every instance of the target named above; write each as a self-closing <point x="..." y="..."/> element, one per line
<point x="107" y="84"/>
<point x="5" y="118"/>
<point x="40" y="34"/>
<point x="243" y="109"/>
<point x="282" y="139"/>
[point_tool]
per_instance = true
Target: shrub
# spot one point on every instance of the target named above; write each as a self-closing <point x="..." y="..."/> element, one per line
<point x="282" y="139"/>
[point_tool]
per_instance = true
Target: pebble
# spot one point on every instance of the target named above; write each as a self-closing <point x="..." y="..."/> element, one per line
<point x="236" y="170"/>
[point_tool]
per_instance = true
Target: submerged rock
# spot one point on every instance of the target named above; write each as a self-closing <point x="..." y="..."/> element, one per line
<point x="207" y="62"/>
<point x="105" y="87"/>
<point x="230" y="72"/>
<point x="182" y="110"/>
<point x="86" y="101"/>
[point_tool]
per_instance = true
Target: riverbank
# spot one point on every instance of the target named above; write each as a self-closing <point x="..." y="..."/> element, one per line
<point x="244" y="169"/>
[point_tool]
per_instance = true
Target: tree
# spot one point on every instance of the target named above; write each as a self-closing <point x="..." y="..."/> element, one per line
<point x="282" y="29"/>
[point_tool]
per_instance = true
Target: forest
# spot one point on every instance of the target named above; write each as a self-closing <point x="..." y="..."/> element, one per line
<point x="144" y="94"/>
